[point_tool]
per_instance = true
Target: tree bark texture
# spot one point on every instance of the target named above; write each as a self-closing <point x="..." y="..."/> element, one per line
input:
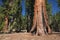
<point x="46" y="17"/>
<point x="5" y="28"/>
<point x="40" y="7"/>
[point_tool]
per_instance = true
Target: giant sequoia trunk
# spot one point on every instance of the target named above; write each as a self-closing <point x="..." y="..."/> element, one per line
<point x="37" y="20"/>
<point x="46" y="17"/>
<point x="40" y="7"/>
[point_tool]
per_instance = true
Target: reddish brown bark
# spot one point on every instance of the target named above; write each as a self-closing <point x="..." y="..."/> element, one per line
<point x="5" y="28"/>
<point x="38" y="18"/>
<point x="46" y="17"/>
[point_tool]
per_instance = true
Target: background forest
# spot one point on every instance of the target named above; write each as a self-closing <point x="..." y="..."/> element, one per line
<point x="12" y="17"/>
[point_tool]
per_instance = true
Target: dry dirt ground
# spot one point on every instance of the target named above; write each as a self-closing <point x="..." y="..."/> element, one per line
<point x="28" y="36"/>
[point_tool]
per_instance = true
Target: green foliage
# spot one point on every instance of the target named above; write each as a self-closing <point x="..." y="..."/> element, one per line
<point x="1" y="25"/>
<point x="58" y="1"/>
<point x="2" y="12"/>
<point x="24" y="22"/>
<point x="58" y="16"/>
<point x="29" y="13"/>
<point x="15" y="11"/>
<point x="56" y="22"/>
<point x="12" y="9"/>
<point x="1" y="17"/>
<point x="49" y="12"/>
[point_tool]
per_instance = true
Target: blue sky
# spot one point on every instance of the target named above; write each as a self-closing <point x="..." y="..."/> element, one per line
<point x="23" y="7"/>
<point x="54" y="6"/>
<point x="0" y="2"/>
<point x="53" y="2"/>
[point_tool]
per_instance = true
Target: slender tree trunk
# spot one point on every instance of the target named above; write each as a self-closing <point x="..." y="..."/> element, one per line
<point x="5" y="29"/>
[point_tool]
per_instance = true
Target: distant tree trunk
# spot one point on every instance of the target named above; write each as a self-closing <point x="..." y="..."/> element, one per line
<point x="5" y="29"/>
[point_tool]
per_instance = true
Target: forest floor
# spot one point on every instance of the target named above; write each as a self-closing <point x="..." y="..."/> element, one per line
<point x="28" y="36"/>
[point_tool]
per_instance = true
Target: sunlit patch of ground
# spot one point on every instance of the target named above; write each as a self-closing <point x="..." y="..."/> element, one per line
<point x="28" y="36"/>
